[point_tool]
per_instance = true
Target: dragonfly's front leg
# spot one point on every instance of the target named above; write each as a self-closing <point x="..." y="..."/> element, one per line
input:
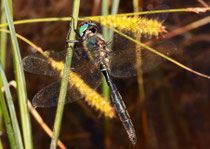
<point x="72" y="41"/>
<point x="67" y="37"/>
<point x="69" y="31"/>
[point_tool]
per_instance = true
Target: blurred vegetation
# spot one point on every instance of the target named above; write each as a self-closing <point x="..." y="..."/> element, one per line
<point x="176" y="111"/>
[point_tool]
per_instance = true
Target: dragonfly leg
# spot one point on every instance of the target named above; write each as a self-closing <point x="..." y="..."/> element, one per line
<point x="73" y="41"/>
<point x="69" y="31"/>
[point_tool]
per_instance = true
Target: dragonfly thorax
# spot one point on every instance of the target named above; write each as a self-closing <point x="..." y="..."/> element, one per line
<point x="96" y="48"/>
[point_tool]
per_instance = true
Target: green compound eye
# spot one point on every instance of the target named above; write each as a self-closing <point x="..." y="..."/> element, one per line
<point x="83" y="29"/>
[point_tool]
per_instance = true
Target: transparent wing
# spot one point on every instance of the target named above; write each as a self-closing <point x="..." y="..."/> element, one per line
<point x="161" y="17"/>
<point x="38" y="64"/>
<point x="125" y="63"/>
<point x="143" y="26"/>
<point x="126" y="54"/>
<point x="87" y="71"/>
<point x="41" y="65"/>
<point x="48" y="96"/>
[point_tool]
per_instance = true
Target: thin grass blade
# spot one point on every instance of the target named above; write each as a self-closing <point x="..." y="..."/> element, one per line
<point x="20" y="79"/>
<point x="63" y="91"/>
<point x="11" y="110"/>
<point x="5" y="113"/>
<point x="3" y="37"/>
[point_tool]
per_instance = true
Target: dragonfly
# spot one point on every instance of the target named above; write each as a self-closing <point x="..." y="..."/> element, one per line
<point x="89" y="61"/>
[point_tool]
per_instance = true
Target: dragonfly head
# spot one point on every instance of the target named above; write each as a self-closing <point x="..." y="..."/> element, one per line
<point x="87" y="28"/>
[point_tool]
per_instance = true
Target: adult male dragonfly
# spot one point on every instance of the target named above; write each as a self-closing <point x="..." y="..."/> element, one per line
<point x="89" y="62"/>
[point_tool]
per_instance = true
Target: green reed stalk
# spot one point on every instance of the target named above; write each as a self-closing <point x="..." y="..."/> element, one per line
<point x="114" y="10"/>
<point x="3" y="37"/>
<point x="105" y="87"/>
<point x="64" y="84"/>
<point x="107" y="34"/>
<point x="1" y="146"/>
<point x="15" y="130"/>
<point x="7" y="121"/>
<point x="20" y="79"/>
<point x="105" y="11"/>
<point x="3" y="43"/>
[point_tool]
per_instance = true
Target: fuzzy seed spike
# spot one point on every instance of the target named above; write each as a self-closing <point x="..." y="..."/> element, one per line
<point x="135" y="25"/>
<point x="92" y="97"/>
